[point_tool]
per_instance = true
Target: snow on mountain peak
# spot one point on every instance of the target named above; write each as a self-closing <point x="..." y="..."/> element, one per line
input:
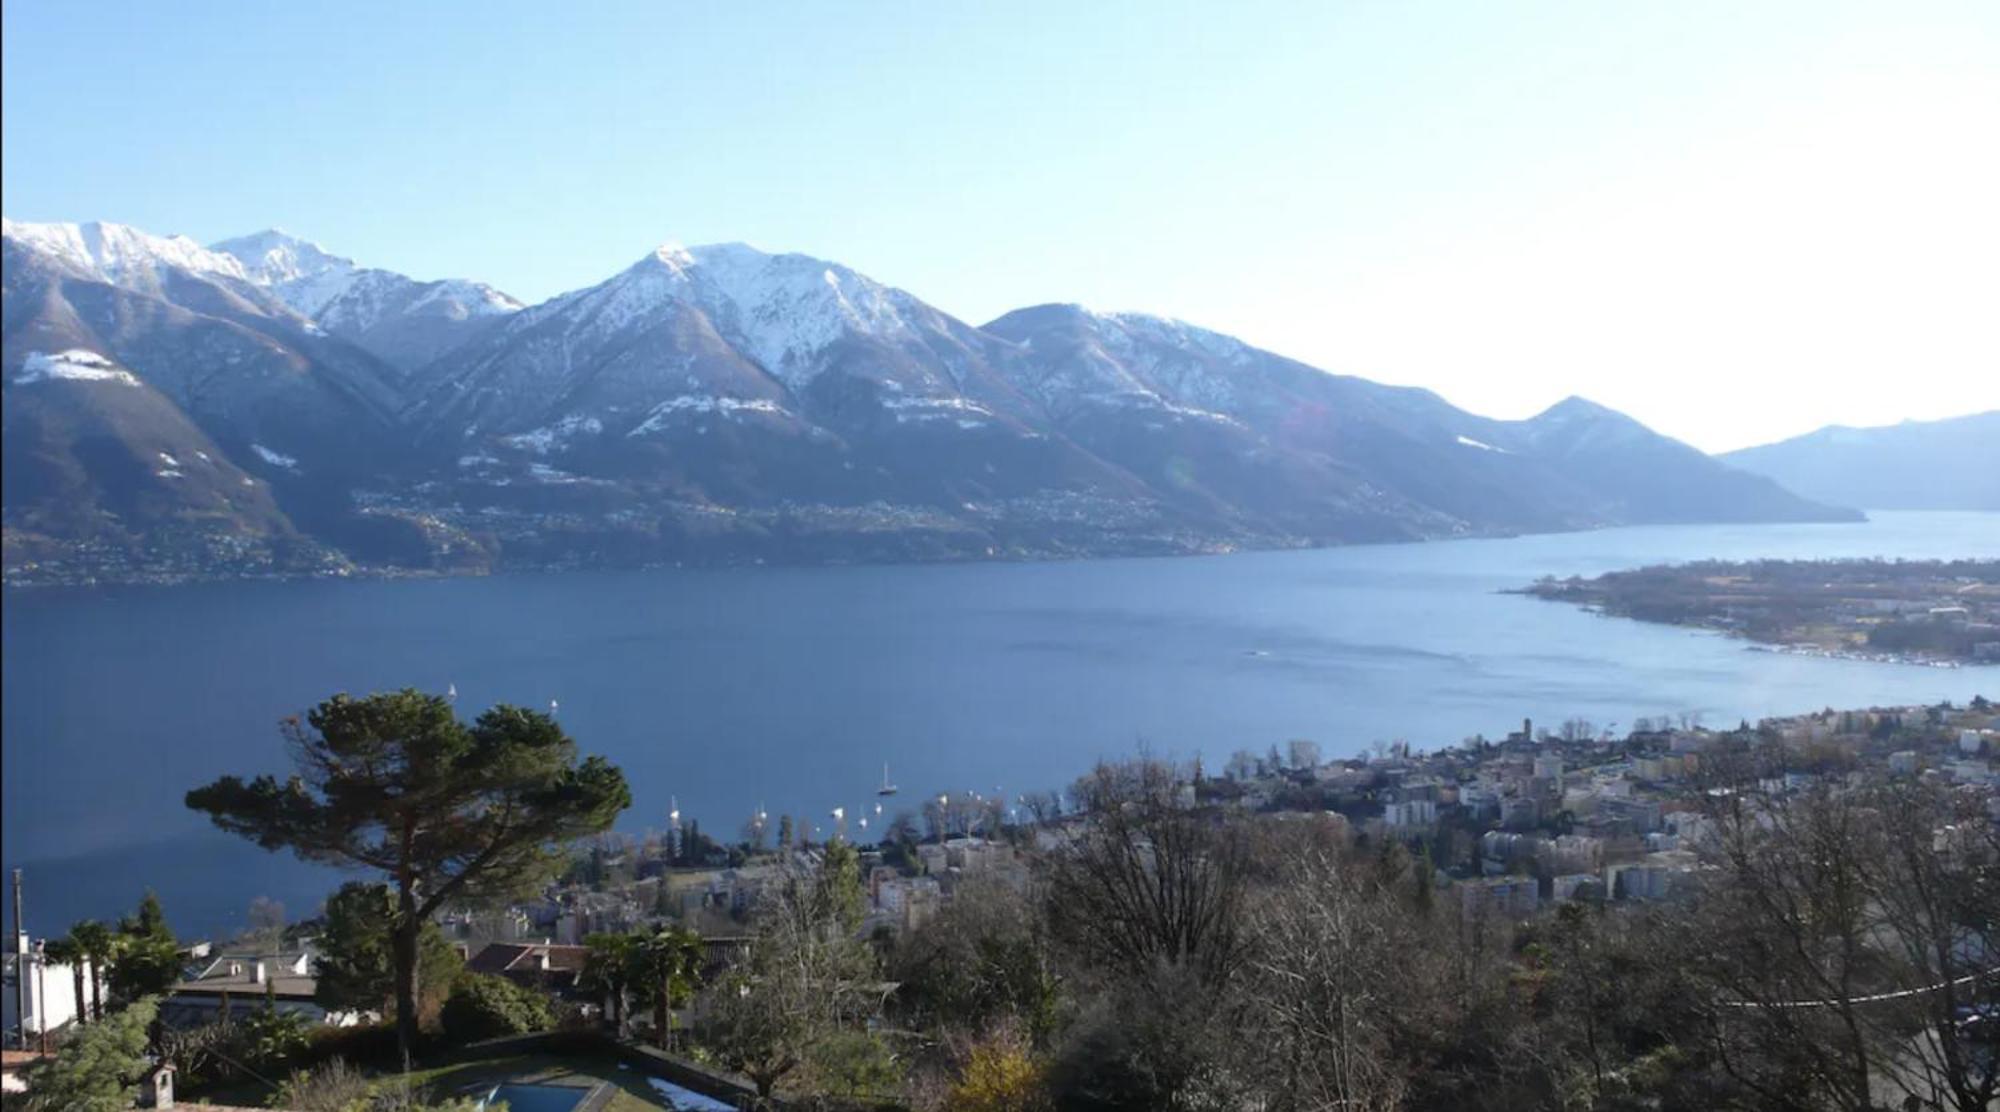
<point x="780" y="310"/>
<point x="120" y="254"/>
<point x="273" y="257"/>
<point x="320" y="284"/>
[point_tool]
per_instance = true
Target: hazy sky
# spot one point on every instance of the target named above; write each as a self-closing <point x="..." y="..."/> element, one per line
<point x="1736" y="221"/>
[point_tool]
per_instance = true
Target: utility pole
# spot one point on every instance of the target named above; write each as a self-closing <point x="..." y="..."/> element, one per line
<point x="20" y="949"/>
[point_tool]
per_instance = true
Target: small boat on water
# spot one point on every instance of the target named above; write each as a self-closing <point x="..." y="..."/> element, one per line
<point x="887" y="788"/>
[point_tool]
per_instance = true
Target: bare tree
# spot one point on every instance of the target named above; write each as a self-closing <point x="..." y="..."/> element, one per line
<point x="1578" y="729"/>
<point x="1043" y="806"/>
<point x="1324" y="983"/>
<point x="1148" y="881"/>
<point x="1848" y="938"/>
<point x="806" y="979"/>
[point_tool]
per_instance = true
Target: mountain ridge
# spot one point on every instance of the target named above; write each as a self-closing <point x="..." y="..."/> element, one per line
<point x="1946" y="464"/>
<point x="723" y="403"/>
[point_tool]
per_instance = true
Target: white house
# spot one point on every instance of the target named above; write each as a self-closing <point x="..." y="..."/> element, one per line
<point x="51" y="992"/>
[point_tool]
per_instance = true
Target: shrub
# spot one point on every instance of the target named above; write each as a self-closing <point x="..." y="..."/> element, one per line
<point x="999" y="1075"/>
<point x="489" y="1007"/>
<point x="97" y="1068"/>
<point x="333" y="1087"/>
<point x="271" y="1039"/>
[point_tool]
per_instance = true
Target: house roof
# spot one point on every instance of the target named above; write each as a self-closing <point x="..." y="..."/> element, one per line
<point x="526" y="957"/>
<point x="238" y="976"/>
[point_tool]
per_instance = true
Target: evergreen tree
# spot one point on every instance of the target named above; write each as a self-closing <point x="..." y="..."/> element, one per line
<point x="665" y="967"/>
<point x="98" y="1068"/>
<point x="147" y="959"/>
<point x="837" y="890"/>
<point x="607" y="971"/>
<point x="356" y="954"/>
<point x="95" y="942"/>
<point x="396" y="783"/>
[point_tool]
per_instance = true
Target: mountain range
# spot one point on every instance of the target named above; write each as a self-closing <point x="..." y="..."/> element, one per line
<point x="262" y="406"/>
<point x="1953" y="464"/>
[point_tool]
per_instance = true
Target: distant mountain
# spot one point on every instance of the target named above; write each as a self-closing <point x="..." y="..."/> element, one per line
<point x="1952" y="464"/>
<point x="198" y="348"/>
<point x="1334" y="456"/>
<point x="717" y="404"/>
<point x="404" y="321"/>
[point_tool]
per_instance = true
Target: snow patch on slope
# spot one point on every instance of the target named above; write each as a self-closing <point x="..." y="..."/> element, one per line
<point x="275" y="459"/>
<point x="548" y="438"/>
<point x="75" y="364"/>
<point x="702" y="405"/>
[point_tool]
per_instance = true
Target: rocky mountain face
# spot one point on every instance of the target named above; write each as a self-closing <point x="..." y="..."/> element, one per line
<point x="405" y="322"/>
<point x="718" y="404"/>
<point x="1952" y="464"/>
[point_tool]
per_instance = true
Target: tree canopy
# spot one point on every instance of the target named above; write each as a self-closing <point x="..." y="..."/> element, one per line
<point x="98" y="1068"/>
<point x="395" y="782"/>
<point x="356" y="968"/>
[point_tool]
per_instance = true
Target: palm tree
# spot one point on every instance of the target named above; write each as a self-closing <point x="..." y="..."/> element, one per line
<point x="94" y="942"/>
<point x="667" y="966"/>
<point x="65" y="951"/>
<point x="607" y="968"/>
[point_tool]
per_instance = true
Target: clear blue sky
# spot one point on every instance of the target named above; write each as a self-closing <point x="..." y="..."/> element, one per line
<point x="1735" y="221"/>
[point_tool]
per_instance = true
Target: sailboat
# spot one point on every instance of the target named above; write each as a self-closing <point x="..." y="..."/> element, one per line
<point x="887" y="788"/>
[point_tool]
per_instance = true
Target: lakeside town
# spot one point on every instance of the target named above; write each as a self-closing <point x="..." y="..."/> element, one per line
<point x="1939" y="612"/>
<point x="942" y="931"/>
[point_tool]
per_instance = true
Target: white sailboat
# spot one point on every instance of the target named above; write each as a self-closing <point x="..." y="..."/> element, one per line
<point x="887" y="788"/>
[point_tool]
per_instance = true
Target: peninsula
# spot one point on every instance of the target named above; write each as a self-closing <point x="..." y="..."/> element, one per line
<point x="1929" y="611"/>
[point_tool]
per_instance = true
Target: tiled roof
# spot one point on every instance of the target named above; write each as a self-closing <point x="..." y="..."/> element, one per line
<point x="525" y="957"/>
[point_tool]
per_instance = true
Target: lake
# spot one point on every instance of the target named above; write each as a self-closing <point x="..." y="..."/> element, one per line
<point x="790" y="688"/>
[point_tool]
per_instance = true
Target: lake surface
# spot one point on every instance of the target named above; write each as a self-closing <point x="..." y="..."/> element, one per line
<point x="725" y="689"/>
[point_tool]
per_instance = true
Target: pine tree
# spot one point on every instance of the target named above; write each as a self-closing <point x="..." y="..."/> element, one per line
<point x="146" y="960"/>
<point x="394" y="782"/>
<point x="99" y="1067"/>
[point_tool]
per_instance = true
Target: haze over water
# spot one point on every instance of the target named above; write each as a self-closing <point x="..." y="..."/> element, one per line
<point x="791" y="687"/>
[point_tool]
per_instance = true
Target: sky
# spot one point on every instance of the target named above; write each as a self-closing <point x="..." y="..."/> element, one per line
<point x="1736" y="222"/>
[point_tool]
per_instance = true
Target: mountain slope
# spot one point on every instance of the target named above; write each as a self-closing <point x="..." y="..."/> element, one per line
<point x="1127" y="383"/>
<point x="722" y="403"/>
<point x="227" y="371"/>
<point x="726" y="375"/>
<point x="404" y="321"/>
<point x="98" y="460"/>
<point x="1952" y="464"/>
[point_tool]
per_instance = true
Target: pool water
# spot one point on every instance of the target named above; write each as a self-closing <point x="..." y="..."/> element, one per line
<point x="535" y="1098"/>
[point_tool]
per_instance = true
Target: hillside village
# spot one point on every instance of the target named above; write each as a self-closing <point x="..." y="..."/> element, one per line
<point x="1505" y="832"/>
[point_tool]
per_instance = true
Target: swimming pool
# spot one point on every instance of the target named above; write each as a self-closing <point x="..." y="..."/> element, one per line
<point x="535" y="1098"/>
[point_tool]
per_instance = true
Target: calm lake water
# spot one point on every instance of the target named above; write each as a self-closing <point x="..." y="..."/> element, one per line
<point x="791" y="687"/>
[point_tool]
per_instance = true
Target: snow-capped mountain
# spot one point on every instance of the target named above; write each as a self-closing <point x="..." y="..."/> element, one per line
<point x="725" y="372"/>
<point x="725" y="403"/>
<point x="405" y="321"/>
<point x="121" y="255"/>
<point x="1142" y="390"/>
<point x="789" y="319"/>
